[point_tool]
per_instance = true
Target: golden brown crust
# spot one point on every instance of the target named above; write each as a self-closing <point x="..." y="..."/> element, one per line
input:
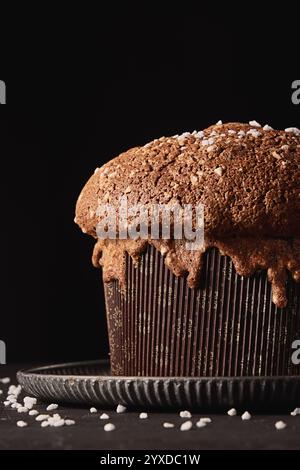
<point x="247" y="178"/>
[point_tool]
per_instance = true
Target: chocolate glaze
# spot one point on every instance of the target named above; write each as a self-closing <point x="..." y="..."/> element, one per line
<point x="248" y="255"/>
<point x="246" y="177"/>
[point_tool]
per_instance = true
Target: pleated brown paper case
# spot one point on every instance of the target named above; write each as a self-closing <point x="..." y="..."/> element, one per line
<point x="229" y="326"/>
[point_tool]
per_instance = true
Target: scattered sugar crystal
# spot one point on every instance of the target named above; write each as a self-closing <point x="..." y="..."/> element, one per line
<point x="168" y="425"/>
<point x="52" y="406"/>
<point x="201" y="424"/>
<point x="143" y="415"/>
<point x="254" y="124"/>
<point x="33" y="412"/>
<point x="41" y="417"/>
<point x="121" y="409"/>
<point x="200" y="134"/>
<point x="231" y="412"/>
<point x="69" y="422"/>
<point x="109" y="427"/>
<point x="205" y="420"/>
<point x="280" y="425"/>
<point x="219" y="123"/>
<point x="293" y="130"/>
<point x="93" y="410"/>
<point x="30" y="399"/>
<point x="253" y="132"/>
<point x="246" y="416"/>
<point x="104" y="416"/>
<point x="58" y="423"/>
<point x="185" y="414"/>
<point x="22" y="409"/>
<point x="5" y="380"/>
<point x="267" y="128"/>
<point x="218" y="171"/>
<point x="21" y="424"/>
<point x="15" y="405"/>
<point x="186" y="426"/>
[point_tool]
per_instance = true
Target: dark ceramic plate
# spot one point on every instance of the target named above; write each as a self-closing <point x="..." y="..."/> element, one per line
<point x="91" y="383"/>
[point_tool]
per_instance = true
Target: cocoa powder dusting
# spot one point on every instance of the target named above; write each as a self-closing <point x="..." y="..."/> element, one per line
<point x="248" y="255"/>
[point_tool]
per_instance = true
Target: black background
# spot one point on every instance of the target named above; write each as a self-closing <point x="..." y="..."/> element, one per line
<point x="79" y="95"/>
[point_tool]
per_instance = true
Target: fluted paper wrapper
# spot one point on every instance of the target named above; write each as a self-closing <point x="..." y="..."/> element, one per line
<point x="229" y="326"/>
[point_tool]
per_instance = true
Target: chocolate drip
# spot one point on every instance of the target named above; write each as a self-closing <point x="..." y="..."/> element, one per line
<point x="248" y="255"/>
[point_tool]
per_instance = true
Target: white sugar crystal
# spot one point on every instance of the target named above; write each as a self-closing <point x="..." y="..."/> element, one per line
<point x="69" y="422"/>
<point x="205" y="420"/>
<point x="295" y="412"/>
<point x="104" y="416"/>
<point x="218" y="171"/>
<point x="186" y="426"/>
<point x="58" y="423"/>
<point x="246" y="416"/>
<point x="41" y="417"/>
<point x="28" y="404"/>
<point x="93" y="410"/>
<point x="143" y="415"/>
<point x="121" y="409"/>
<point x="254" y="124"/>
<point x="185" y="414"/>
<point x="109" y="427"/>
<point x="231" y="412"/>
<point x="44" y="424"/>
<point x="182" y="137"/>
<point x="201" y="424"/>
<point x="33" y="412"/>
<point x="23" y="409"/>
<point x="21" y="424"/>
<point x="253" y="132"/>
<point x="267" y="128"/>
<point x="168" y="425"/>
<point x="14" y="390"/>
<point x="5" y="380"/>
<point x="219" y="123"/>
<point x="6" y="403"/>
<point x="12" y="400"/>
<point x="53" y="406"/>
<point x="32" y="400"/>
<point x="16" y="405"/>
<point x="294" y="130"/>
<point x="96" y="170"/>
<point x="200" y="134"/>
<point x="241" y="133"/>
<point x="231" y="131"/>
<point x="280" y="425"/>
<point x="209" y="141"/>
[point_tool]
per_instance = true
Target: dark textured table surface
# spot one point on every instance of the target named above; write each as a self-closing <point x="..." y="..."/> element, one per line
<point x="133" y="433"/>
